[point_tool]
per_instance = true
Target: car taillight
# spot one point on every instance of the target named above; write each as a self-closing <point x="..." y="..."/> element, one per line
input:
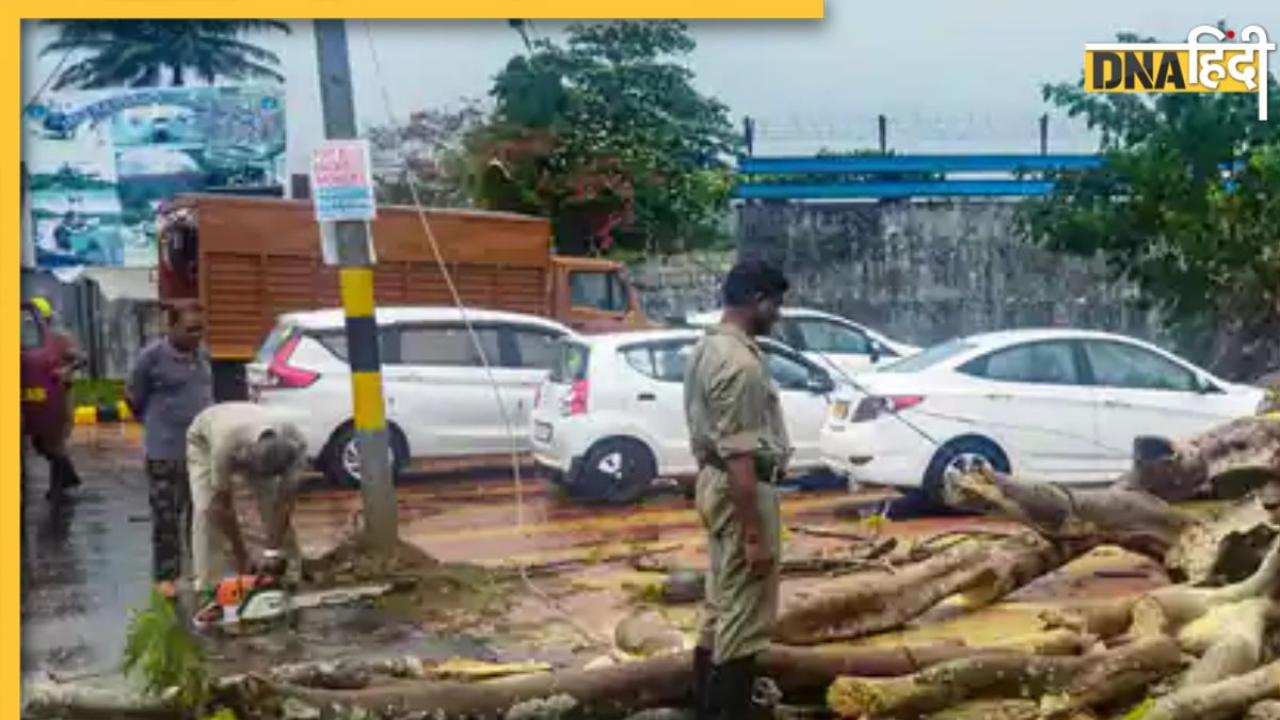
<point x="280" y="374"/>
<point x="874" y="406"/>
<point x="578" y="397"/>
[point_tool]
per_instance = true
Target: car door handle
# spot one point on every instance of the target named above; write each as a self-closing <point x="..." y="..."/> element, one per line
<point x="1116" y="404"/>
<point x="646" y="397"/>
<point x="999" y="396"/>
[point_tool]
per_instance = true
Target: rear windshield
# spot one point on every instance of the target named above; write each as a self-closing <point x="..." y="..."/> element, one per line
<point x="272" y="344"/>
<point x="929" y="357"/>
<point x="571" y="362"/>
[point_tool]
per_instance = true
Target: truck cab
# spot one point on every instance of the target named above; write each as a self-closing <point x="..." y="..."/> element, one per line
<point x="592" y="296"/>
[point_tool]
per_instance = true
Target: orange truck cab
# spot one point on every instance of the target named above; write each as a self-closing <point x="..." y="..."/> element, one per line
<point x="250" y="259"/>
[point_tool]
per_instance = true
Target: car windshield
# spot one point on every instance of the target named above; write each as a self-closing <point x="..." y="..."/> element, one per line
<point x="929" y="357"/>
<point x="273" y="342"/>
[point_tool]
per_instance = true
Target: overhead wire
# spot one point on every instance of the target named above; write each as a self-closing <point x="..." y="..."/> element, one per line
<point x="464" y="313"/>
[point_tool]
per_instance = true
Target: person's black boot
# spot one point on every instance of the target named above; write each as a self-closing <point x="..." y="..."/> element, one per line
<point x="703" y="676"/>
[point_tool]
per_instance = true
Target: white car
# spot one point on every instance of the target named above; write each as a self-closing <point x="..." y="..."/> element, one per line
<point x="829" y="340"/>
<point x="1063" y="405"/>
<point x="439" y="398"/>
<point x="610" y="417"/>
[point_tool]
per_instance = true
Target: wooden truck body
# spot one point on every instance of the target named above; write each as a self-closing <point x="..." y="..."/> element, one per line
<point x="248" y="260"/>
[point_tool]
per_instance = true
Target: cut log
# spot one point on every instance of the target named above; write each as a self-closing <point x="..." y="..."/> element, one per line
<point x="1103" y="619"/>
<point x="1076" y="683"/>
<point x="617" y="690"/>
<point x="1265" y="710"/>
<point x="1226" y="698"/>
<point x="46" y="700"/>
<point x="1234" y="637"/>
<point x="857" y="605"/>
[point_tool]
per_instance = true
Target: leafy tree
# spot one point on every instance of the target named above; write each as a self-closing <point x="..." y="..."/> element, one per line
<point x="427" y="150"/>
<point x="606" y="135"/>
<point x="137" y="53"/>
<point x="1187" y="206"/>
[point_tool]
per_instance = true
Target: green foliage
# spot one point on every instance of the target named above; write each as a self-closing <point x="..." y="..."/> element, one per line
<point x="136" y="53"/>
<point x="606" y="135"/>
<point x="97" y="392"/>
<point x="1199" y="241"/>
<point x="162" y="654"/>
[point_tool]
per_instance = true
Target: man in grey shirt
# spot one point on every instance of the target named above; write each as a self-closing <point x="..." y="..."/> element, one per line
<point x="171" y="382"/>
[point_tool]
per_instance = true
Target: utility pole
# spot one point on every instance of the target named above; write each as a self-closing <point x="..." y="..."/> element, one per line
<point x="356" y="272"/>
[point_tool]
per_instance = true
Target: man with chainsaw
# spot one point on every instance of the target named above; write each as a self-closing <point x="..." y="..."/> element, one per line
<point x="240" y="445"/>
<point x="740" y="442"/>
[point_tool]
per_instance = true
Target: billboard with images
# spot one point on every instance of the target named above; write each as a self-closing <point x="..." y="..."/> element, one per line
<point x="102" y="161"/>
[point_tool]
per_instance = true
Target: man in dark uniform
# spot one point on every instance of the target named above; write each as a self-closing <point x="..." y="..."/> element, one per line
<point x="740" y="442"/>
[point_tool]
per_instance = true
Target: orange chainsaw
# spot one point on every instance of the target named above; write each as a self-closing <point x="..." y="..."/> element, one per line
<point x="259" y="599"/>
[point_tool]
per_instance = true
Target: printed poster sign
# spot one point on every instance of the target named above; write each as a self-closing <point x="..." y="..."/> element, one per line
<point x="342" y="181"/>
<point x="102" y="162"/>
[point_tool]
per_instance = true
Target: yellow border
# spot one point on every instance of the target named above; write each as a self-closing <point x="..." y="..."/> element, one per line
<point x="475" y="9"/>
<point x="10" y="590"/>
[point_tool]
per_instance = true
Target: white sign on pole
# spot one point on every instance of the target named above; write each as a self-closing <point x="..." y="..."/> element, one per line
<point x="342" y="181"/>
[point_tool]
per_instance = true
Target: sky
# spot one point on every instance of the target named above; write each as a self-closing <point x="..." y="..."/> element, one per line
<point x="950" y="76"/>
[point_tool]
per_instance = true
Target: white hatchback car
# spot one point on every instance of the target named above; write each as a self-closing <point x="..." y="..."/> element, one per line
<point x="439" y="398"/>
<point x="829" y="340"/>
<point x="1063" y="405"/>
<point x="610" y="417"/>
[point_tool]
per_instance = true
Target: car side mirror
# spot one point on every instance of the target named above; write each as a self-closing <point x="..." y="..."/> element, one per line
<point x="876" y="352"/>
<point x="820" y="384"/>
<point x="1207" y="387"/>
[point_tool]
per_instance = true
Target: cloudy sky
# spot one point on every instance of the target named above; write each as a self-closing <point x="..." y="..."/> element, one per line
<point x="951" y="76"/>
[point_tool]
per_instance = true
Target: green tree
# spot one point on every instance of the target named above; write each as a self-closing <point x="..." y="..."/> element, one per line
<point x="1186" y="205"/>
<point x="606" y="134"/>
<point x="137" y="53"/>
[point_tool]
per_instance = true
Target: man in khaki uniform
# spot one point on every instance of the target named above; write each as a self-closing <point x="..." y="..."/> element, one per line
<point x="740" y="442"/>
<point x="241" y="441"/>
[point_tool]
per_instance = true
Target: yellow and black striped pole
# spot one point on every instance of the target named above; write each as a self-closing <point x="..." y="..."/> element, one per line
<point x="355" y="257"/>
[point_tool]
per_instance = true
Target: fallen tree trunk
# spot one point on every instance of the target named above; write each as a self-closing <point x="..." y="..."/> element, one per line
<point x="853" y="607"/>
<point x="1265" y="710"/>
<point x="1077" y="682"/>
<point x="1133" y="512"/>
<point x="616" y="690"/>
<point x="1225" y="698"/>
<point x="46" y="700"/>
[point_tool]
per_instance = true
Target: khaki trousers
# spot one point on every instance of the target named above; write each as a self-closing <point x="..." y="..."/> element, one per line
<point x="739" y="609"/>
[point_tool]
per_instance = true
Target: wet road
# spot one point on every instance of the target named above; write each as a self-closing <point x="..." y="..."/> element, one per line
<point x="87" y="564"/>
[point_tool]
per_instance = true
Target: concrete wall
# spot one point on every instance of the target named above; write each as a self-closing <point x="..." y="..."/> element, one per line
<point x="921" y="272"/>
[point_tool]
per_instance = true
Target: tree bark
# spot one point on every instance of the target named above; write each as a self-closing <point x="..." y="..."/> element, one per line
<point x="1225" y="698"/>
<point x="1078" y="682"/>
<point x="616" y="690"/>
<point x="860" y="605"/>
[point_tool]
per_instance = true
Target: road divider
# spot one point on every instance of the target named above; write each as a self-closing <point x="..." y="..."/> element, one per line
<point x="99" y="414"/>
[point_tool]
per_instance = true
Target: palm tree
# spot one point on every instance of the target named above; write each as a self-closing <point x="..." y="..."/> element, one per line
<point x="136" y="53"/>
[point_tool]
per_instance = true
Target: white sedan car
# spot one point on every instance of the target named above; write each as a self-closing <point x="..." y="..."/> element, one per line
<point x="829" y="340"/>
<point x="609" y="419"/>
<point x="1063" y="405"/>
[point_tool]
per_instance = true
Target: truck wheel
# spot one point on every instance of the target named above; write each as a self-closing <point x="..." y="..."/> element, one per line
<point x="342" y="460"/>
<point x="615" y="471"/>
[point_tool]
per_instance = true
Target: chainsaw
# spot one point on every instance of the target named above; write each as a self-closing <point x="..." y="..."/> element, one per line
<point x="258" y="599"/>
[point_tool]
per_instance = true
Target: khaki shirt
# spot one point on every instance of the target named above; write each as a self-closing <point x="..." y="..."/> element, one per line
<point x="218" y="438"/>
<point x="731" y="403"/>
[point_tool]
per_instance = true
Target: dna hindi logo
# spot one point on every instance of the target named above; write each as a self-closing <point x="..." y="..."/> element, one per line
<point x="1222" y="63"/>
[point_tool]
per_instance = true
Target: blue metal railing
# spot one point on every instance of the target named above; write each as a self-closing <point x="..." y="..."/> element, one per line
<point x="872" y="188"/>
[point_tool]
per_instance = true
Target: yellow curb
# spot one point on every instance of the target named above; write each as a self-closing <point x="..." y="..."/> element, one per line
<point x="86" y="415"/>
<point x="123" y="411"/>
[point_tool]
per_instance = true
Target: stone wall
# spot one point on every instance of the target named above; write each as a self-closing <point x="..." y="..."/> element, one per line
<point x="921" y="272"/>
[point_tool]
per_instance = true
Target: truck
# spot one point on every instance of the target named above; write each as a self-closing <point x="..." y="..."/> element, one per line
<point x="247" y="260"/>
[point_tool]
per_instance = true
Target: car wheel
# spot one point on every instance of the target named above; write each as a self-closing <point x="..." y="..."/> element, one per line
<point x="961" y="455"/>
<point x="342" y="461"/>
<point x="615" y="471"/>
